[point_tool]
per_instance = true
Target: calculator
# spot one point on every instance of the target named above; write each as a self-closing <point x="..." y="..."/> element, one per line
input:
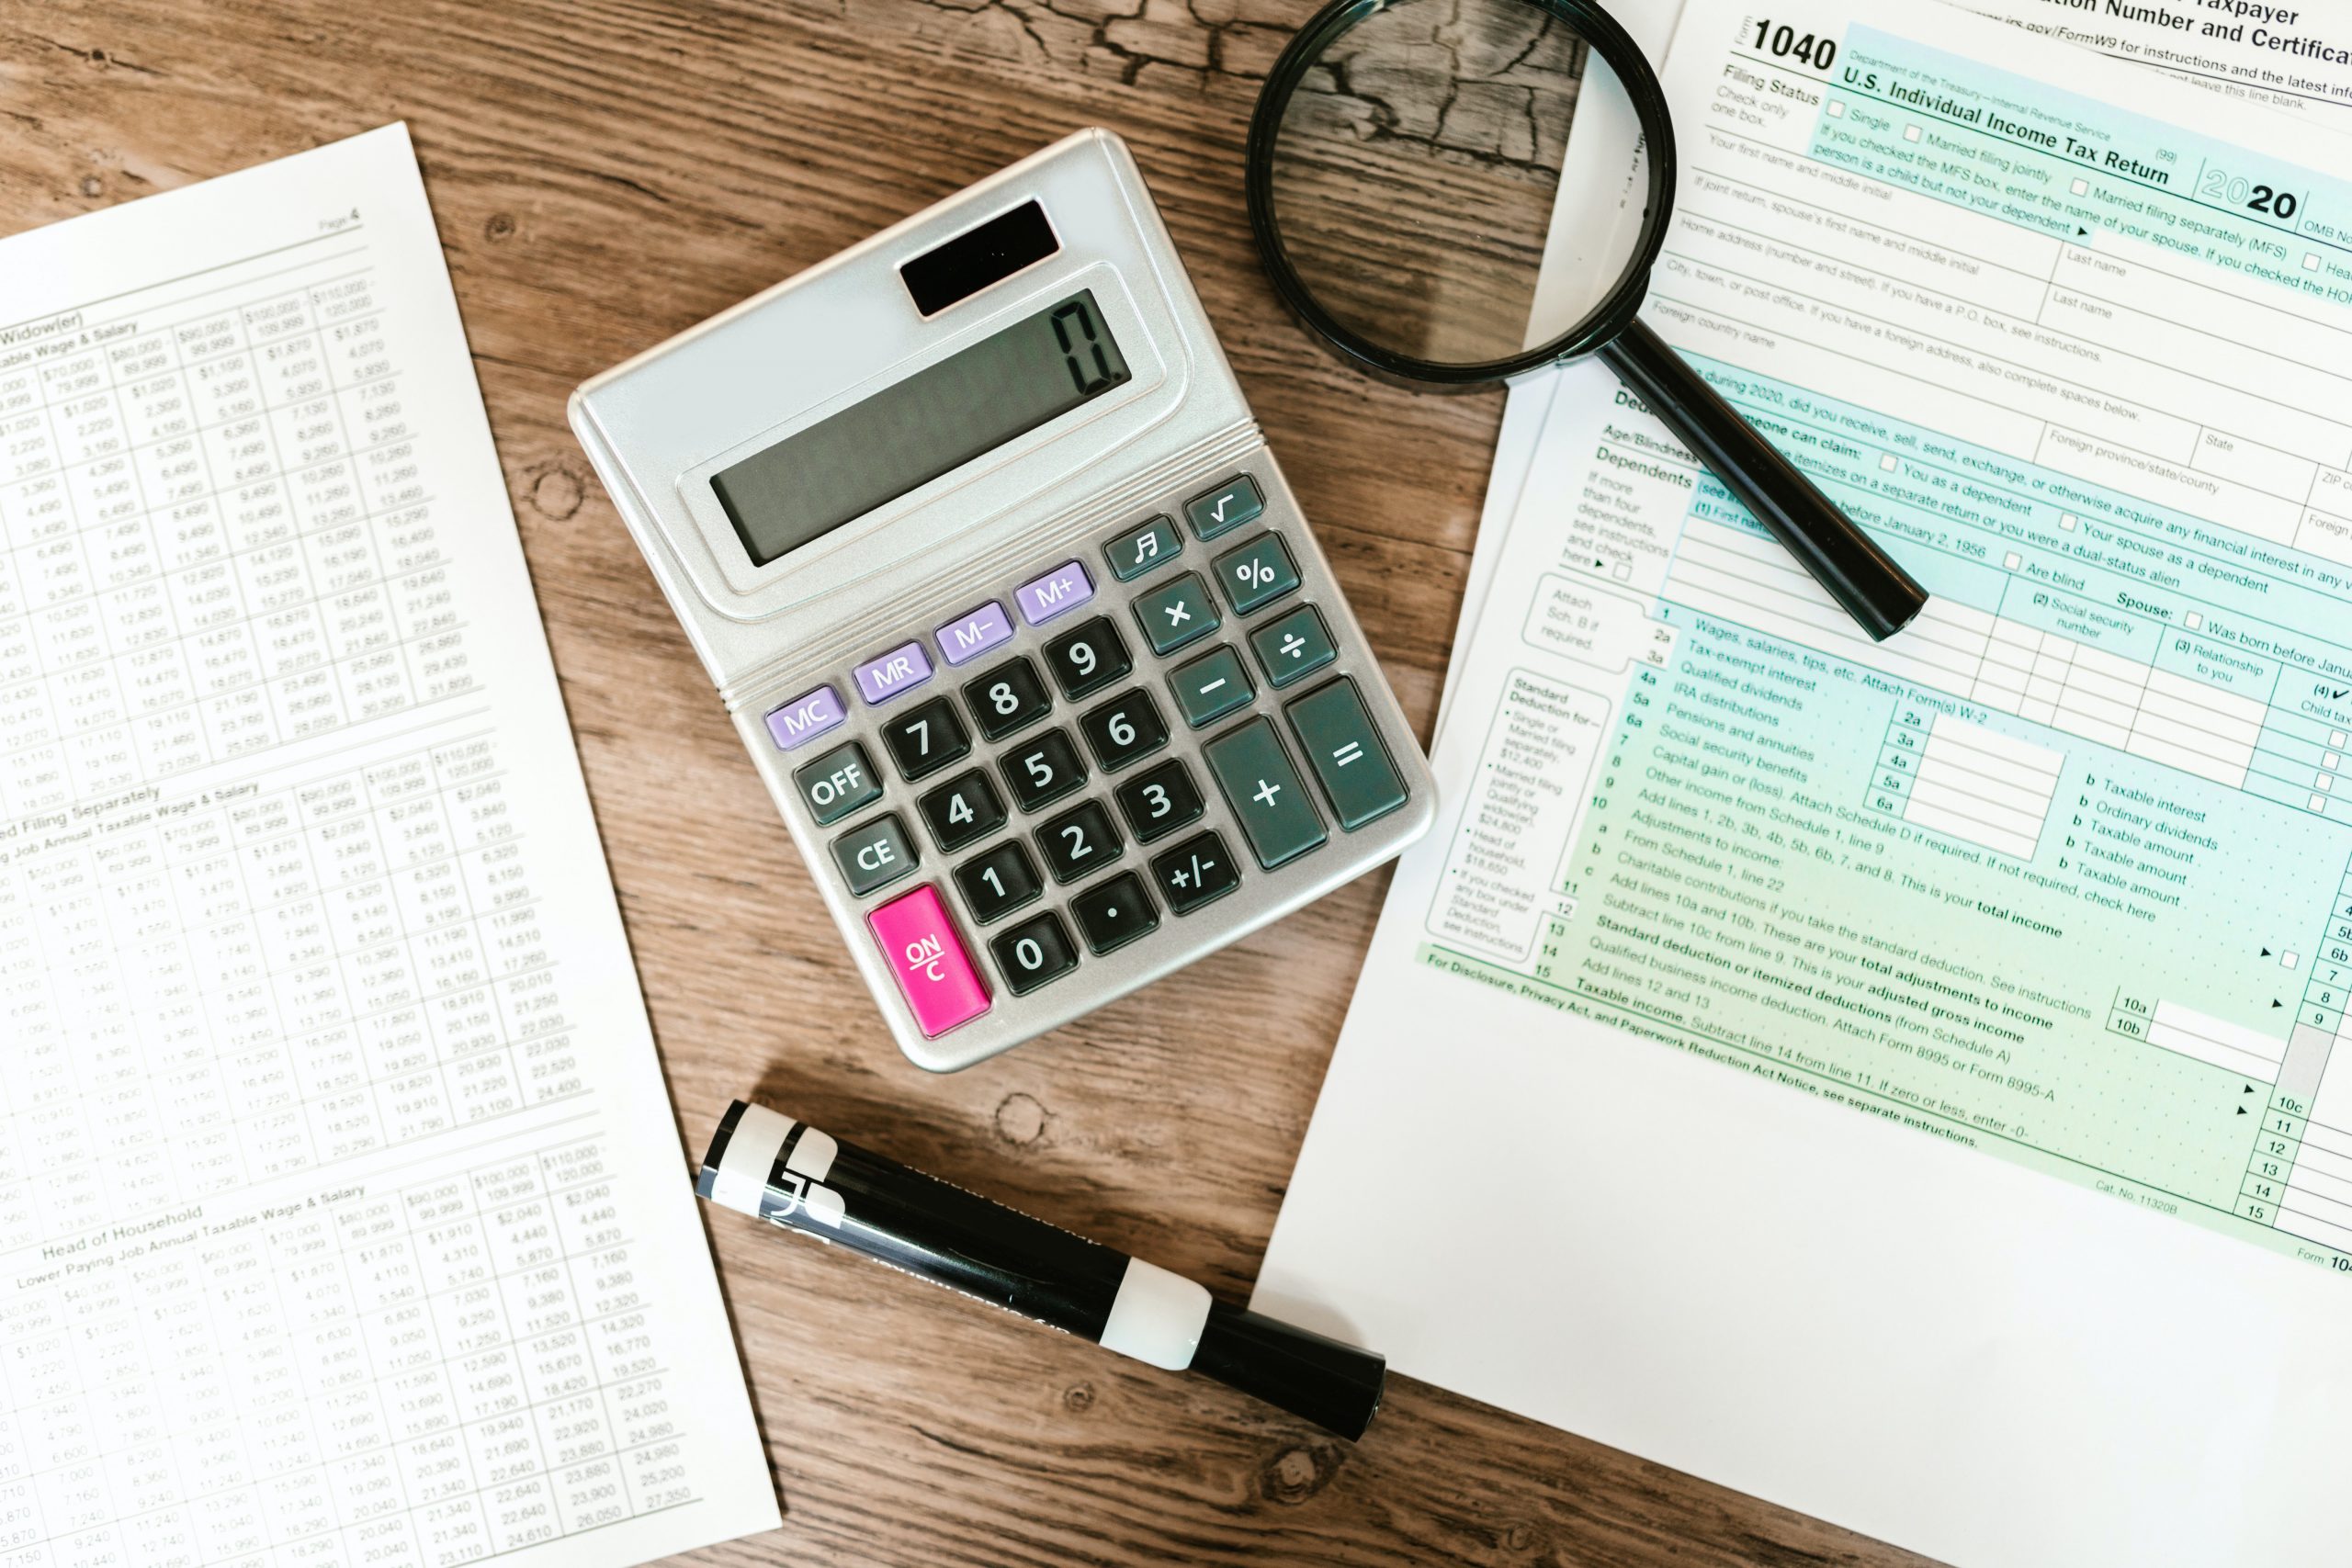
<point x="980" y="544"/>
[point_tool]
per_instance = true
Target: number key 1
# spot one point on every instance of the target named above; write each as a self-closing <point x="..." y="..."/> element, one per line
<point x="999" y="881"/>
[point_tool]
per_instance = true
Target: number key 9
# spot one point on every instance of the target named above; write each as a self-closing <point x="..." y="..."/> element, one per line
<point x="1089" y="659"/>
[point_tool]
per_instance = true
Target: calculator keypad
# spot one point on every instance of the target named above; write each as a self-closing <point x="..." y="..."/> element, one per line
<point x="1007" y="697"/>
<point x="927" y="738"/>
<point x="1063" y="825"/>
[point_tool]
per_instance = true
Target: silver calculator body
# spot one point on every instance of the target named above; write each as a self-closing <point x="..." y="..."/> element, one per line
<point x="999" y="436"/>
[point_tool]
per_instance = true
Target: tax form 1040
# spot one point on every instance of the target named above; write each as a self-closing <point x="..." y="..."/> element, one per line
<point x="1918" y="1075"/>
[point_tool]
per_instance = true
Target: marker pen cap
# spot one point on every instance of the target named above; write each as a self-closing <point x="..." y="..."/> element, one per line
<point x="1336" y="1386"/>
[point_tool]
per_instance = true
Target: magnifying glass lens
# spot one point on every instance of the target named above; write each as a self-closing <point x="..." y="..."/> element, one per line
<point x="1418" y="168"/>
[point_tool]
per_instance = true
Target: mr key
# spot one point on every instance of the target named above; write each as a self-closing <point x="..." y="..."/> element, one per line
<point x="1044" y="670"/>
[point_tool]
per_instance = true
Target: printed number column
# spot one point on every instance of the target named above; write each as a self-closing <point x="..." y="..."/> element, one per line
<point x="291" y="367"/>
<point x="102" y="493"/>
<point x="2299" y="1177"/>
<point x="628" y="1362"/>
<point x="511" y="1455"/>
<point x="361" y="624"/>
<point x="462" y="1294"/>
<point x="221" y="601"/>
<point x="133" y="558"/>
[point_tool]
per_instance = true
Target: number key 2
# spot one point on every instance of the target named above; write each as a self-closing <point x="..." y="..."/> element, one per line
<point x="1079" y="841"/>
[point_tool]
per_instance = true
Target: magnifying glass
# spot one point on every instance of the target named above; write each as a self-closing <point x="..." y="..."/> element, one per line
<point x="1405" y="168"/>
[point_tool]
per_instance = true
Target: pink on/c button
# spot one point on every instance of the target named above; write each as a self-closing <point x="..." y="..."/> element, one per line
<point x="935" y="975"/>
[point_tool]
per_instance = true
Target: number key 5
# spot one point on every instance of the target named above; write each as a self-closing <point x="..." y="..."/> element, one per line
<point x="1044" y="770"/>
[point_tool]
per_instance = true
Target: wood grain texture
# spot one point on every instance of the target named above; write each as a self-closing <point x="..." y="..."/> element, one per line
<point x="606" y="173"/>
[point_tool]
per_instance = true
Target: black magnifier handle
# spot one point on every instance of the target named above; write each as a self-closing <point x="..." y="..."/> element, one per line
<point x="1842" y="559"/>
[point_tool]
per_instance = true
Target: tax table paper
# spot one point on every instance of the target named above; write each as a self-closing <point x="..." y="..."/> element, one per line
<point x="342" y="1218"/>
<point x="1996" y="1198"/>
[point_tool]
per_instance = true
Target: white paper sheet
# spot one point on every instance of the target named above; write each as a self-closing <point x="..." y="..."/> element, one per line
<point x="342" y="1218"/>
<point x="1992" y="1354"/>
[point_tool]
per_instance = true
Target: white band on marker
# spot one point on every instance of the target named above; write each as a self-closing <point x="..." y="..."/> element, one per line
<point x="1157" y="1316"/>
<point x="742" y="1175"/>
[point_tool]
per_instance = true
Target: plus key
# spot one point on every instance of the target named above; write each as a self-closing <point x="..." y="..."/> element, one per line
<point x="1254" y="771"/>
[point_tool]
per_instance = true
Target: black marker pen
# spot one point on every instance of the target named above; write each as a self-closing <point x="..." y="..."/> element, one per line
<point x="791" y="1175"/>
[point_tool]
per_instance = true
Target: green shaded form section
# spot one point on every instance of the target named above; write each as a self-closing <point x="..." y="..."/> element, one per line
<point x="1736" y="890"/>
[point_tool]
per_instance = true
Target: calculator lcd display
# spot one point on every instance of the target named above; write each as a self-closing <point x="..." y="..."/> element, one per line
<point x="915" y="430"/>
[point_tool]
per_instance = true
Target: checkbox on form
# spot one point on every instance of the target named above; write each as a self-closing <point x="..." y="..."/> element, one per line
<point x="2080" y="187"/>
<point x="1910" y="133"/>
<point x="2067" y="520"/>
<point x="1886" y="462"/>
<point x="2013" y="561"/>
<point x="1836" y="110"/>
<point x="2289" y="960"/>
<point x="2192" y="620"/>
<point x="2311" y="261"/>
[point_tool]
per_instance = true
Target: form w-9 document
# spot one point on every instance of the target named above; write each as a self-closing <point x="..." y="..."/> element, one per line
<point x="1909" y="1082"/>
<point x="342" y="1219"/>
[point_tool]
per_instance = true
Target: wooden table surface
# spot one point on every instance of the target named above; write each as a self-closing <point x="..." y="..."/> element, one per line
<point x="607" y="173"/>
